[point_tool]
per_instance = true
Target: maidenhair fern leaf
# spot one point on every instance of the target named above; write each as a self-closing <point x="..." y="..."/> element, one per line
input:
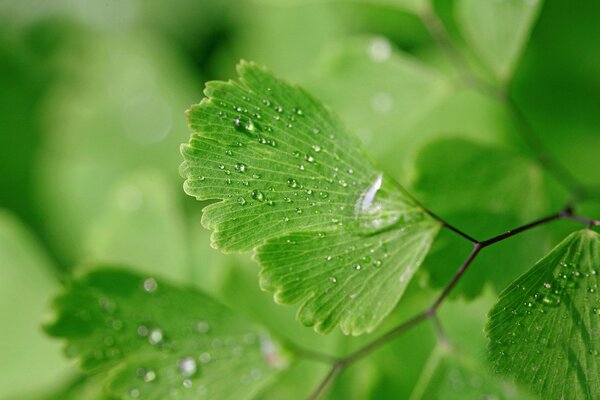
<point x="545" y="329"/>
<point x="332" y="231"/>
<point x="158" y="341"/>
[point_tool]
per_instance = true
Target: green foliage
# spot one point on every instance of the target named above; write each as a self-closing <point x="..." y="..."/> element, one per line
<point x="290" y="173"/>
<point x="30" y="361"/>
<point x="452" y="375"/>
<point x="498" y="30"/>
<point x="544" y="329"/>
<point x="484" y="190"/>
<point x="91" y="115"/>
<point x="157" y="340"/>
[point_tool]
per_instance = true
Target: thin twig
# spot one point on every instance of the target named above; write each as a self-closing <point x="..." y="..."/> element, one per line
<point x="520" y="229"/>
<point x="333" y="373"/>
<point x="476" y="249"/>
<point x="528" y="133"/>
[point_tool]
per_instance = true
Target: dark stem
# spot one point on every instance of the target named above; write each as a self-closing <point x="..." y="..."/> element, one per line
<point x="431" y="311"/>
<point x="520" y="229"/>
<point x="476" y="249"/>
<point x="333" y="373"/>
<point x="528" y="133"/>
<point x="590" y="222"/>
<point x="447" y="225"/>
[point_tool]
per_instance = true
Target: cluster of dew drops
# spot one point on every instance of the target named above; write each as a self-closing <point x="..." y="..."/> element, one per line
<point x="251" y="123"/>
<point x="548" y="297"/>
<point x="188" y="367"/>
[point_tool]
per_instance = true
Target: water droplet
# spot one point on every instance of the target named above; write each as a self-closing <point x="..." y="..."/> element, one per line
<point x="309" y="158"/>
<point x="221" y="166"/>
<point x="187" y="367"/>
<point x="292" y="183"/>
<point x="333" y="279"/>
<point x="148" y="375"/>
<point x="202" y="326"/>
<point x="382" y="102"/>
<point x="377" y="263"/>
<point x="379" y="49"/>
<point x="143" y="330"/>
<point x="296" y="153"/>
<point x="241" y="201"/>
<point x="205" y="357"/>
<point x="258" y="195"/>
<point x="298" y="211"/>
<point x="316" y="148"/>
<point x="201" y="178"/>
<point x="150" y="285"/>
<point x="266" y="102"/>
<point x="187" y="383"/>
<point x="301" y="167"/>
<point x="240" y="167"/>
<point x="229" y="152"/>
<point x="155" y="337"/>
<point x="278" y="109"/>
<point x="134" y="393"/>
<point x="316" y="130"/>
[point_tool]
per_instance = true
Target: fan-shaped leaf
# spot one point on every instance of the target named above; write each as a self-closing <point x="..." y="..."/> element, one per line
<point x="288" y="171"/>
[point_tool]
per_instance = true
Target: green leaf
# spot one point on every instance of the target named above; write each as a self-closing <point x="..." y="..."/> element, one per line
<point x="30" y="361"/>
<point x="288" y="171"/>
<point x="133" y="88"/>
<point x="497" y="30"/>
<point x="141" y="225"/>
<point x="391" y="93"/>
<point x="543" y="331"/>
<point x="451" y="375"/>
<point x="158" y="340"/>
<point x="458" y="175"/>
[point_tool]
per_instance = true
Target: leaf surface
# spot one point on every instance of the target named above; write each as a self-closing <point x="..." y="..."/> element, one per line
<point x="451" y="375"/>
<point x="160" y="341"/>
<point x="497" y="30"/>
<point x="289" y="173"/>
<point x="545" y="329"/>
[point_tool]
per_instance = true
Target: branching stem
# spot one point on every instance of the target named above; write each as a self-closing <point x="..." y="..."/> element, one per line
<point x="550" y="164"/>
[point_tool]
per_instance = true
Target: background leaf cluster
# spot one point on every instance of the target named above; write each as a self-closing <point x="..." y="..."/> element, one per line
<point x="91" y="105"/>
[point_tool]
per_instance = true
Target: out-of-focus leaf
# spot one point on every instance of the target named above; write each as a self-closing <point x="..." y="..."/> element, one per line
<point x="30" y="360"/>
<point x="117" y="109"/>
<point x="380" y="92"/>
<point x="544" y="329"/>
<point x="451" y="375"/>
<point x="484" y="190"/>
<point x="459" y="175"/>
<point x="497" y="30"/>
<point x="289" y="172"/>
<point x="142" y="226"/>
<point x="158" y="340"/>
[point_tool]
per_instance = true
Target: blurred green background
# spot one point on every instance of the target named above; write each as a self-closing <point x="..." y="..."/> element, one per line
<point x="92" y="101"/>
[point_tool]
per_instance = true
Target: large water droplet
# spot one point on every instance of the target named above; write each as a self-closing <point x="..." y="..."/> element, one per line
<point x="150" y="285"/>
<point x="187" y="367"/>
<point x="155" y="336"/>
<point x="258" y="195"/>
<point x="379" y="49"/>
